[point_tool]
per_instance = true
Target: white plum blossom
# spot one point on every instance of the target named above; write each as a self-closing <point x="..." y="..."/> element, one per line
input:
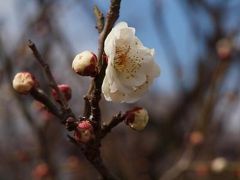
<point x="131" y="67"/>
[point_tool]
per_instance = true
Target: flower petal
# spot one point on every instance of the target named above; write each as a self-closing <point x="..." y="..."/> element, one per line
<point x="131" y="67"/>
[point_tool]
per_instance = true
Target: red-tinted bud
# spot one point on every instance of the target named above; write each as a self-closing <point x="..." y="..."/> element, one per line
<point x="137" y="118"/>
<point x="105" y="58"/>
<point x="196" y="138"/>
<point x="224" y="49"/>
<point x="85" y="64"/>
<point x="66" y="91"/>
<point x="41" y="171"/>
<point x="84" y="132"/>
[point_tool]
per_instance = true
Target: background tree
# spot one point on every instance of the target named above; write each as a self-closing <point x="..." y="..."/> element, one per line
<point x="194" y="110"/>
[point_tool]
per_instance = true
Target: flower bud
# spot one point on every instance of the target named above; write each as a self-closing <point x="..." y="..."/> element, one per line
<point x="41" y="171"/>
<point x="196" y="138"/>
<point x="85" y="64"/>
<point x="66" y="91"/>
<point x="218" y="164"/>
<point x="224" y="48"/>
<point x="137" y="118"/>
<point x="23" y="82"/>
<point x="84" y="132"/>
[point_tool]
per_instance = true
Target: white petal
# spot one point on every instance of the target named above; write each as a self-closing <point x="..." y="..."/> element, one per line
<point x="131" y="67"/>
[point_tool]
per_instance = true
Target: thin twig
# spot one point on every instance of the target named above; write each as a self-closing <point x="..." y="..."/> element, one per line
<point x="99" y="19"/>
<point x="40" y="96"/>
<point x="37" y="131"/>
<point x="113" y="123"/>
<point x="48" y="73"/>
<point x="64" y="105"/>
<point x="92" y="152"/>
<point x="87" y="105"/>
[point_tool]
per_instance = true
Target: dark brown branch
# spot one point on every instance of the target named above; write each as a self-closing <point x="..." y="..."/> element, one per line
<point x="111" y="18"/>
<point x="40" y="96"/>
<point x="87" y="105"/>
<point x="93" y="97"/>
<point x="67" y="112"/>
<point x="37" y="131"/>
<point x="48" y="73"/>
<point x="113" y="123"/>
<point x="101" y="168"/>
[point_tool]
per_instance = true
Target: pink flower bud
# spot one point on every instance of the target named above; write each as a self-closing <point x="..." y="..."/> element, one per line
<point x="23" y="82"/>
<point x="41" y="171"/>
<point x="66" y="91"/>
<point x="196" y="138"/>
<point x="85" y="64"/>
<point x="84" y="132"/>
<point x="137" y="118"/>
<point x="224" y="48"/>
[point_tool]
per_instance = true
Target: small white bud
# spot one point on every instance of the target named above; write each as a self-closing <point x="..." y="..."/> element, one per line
<point x="137" y="118"/>
<point x="85" y="64"/>
<point x="23" y="82"/>
<point x="218" y="164"/>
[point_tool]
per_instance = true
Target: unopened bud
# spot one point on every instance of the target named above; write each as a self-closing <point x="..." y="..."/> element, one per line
<point x="85" y="64"/>
<point x="41" y="171"/>
<point x="65" y="90"/>
<point x="196" y="137"/>
<point x="137" y="118"/>
<point x="23" y="82"/>
<point x="224" y="49"/>
<point x="218" y="164"/>
<point x="84" y="132"/>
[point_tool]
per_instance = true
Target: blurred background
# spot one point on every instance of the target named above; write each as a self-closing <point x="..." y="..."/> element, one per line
<point x="194" y="106"/>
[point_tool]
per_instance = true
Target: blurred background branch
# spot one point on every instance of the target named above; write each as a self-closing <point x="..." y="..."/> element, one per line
<point x="194" y="107"/>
